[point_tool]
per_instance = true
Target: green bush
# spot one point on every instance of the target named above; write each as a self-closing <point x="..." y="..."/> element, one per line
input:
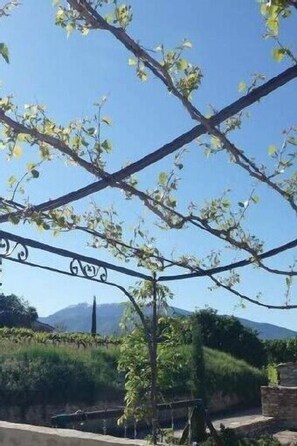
<point x="232" y="376"/>
<point x="229" y="438"/>
<point x="227" y="334"/>
<point x="281" y="350"/>
<point x="223" y="374"/>
<point x="48" y="375"/>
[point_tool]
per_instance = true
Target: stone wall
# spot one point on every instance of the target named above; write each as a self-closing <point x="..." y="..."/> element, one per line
<point x="280" y="402"/>
<point x="41" y="415"/>
<point x="287" y="374"/>
<point x="25" y="435"/>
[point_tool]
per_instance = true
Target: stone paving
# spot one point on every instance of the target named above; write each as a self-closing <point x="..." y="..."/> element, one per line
<point x="239" y="419"/>
<point x="286" y="438"/>
<point x="248" y="421"/>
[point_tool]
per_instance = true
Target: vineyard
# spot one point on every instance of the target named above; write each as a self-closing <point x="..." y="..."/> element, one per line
<point x="25" y="336"/>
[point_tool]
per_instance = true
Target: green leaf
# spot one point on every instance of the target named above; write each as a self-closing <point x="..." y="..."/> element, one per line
<point x="216" y="143"/>
<point x="182" y="64"/>
<point x="35" y="173"/>
<point x="60" y="15"/>
<point x="11" y="181"/>
<point x="162" y="178"/>
<point x="14" y="219"/>
<point x="106" y="120"/>
<point x="241" y="86"/>
<point x="106" y="145"/>
<point x="91" y="131"/>
<point x="187" y="44"/>
<point x="69" y="29"/>
<point x="17" y="151"/>
<point x="272" y="150"/>
<point x="292" y="140"/>
<point x="272" y="24"/>
<point x="142" y="75"/>
<point x="85" y="31"/>
<point x="30" y="166"/>
<point x="288" y="281"/>
<point x="278" y="54"/>
<point x="132" y="61"/>
<point x="4" y="52"/>
<point x="225" y="203"/>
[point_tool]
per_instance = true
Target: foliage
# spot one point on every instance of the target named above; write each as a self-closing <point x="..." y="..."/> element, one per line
<point x="198" y="362"/>
<point x="82" y="144"/>
<point x="223" y="374"/>
<point x="94" y="318"/>
<point x="281" y="350"/>
<point x="45" y="375"/>
<point x="229" y="376"/>
<point x="229" y="438"/>
<point x="227" y="334"/>
<point x="272" y="375"/>
<point x="15" y="312"/>
<point x="21" y="361"/>
<point x="199" y="382"/>
<point x="27" y="336"/>
<point x="5" y="10"/>
<point x="135" y="362"/>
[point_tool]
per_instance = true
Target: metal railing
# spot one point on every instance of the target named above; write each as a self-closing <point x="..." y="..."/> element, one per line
<point x="169" y="415"/>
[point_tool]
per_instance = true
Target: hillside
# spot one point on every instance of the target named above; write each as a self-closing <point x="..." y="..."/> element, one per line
<point x="77" y="318"/>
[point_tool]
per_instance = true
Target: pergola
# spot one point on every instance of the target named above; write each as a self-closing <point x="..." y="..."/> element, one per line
<point x="15" y="248"/>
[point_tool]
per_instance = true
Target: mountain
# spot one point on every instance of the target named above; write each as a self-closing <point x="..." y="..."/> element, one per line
<point x="78" y="318"/>
<point x="268" y="331"/>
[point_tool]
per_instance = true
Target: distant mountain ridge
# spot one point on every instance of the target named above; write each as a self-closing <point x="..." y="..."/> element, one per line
<point x="77" y="318"/>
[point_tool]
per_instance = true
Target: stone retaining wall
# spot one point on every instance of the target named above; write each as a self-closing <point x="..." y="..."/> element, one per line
<point x="280" y="402"/>
<point x="287" y="374"/>
<point x="41" y="415"/>
<point x="12" y="434"/>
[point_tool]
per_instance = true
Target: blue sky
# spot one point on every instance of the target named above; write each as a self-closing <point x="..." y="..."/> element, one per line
<point x="69" y="75"/>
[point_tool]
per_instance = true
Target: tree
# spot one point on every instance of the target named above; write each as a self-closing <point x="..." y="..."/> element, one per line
<point x="226" y="220"/>
<point x="199" y="382"/>
<point x="15" y="312"/>
<point x="227" y="334"/>
<point x="94" y="318"/>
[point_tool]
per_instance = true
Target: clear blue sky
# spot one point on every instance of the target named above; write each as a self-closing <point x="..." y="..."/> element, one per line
<point x="69" y="75"/>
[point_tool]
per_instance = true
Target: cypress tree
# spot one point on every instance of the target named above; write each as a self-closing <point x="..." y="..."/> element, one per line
<point x="94" y="320"/>
<point x="198" y="377"/>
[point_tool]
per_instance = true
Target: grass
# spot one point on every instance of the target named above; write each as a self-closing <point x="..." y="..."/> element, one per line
<point x="65" y="373"/>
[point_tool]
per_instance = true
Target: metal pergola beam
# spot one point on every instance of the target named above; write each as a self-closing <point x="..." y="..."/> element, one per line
<point x="89" y="267"/>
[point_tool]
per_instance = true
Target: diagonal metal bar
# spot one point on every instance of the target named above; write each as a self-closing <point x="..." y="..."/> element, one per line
<point x="220" y="269"/>
<point x="153" y="157"/>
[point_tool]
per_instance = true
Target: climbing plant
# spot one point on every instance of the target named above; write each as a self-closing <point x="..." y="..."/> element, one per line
<point x="85" y="143"/>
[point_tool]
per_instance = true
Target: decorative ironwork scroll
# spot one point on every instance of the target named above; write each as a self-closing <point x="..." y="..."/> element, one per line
<point x="88" y="270"/>
<point x="10" y="248"/>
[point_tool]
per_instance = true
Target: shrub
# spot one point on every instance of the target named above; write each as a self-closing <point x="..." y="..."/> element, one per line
<point x="227" y="334"/>
<point x="281" y="350"/>
<point x="229" y="438"/>
<point x="48" y="375"/>
<point x="223" y="374"/>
